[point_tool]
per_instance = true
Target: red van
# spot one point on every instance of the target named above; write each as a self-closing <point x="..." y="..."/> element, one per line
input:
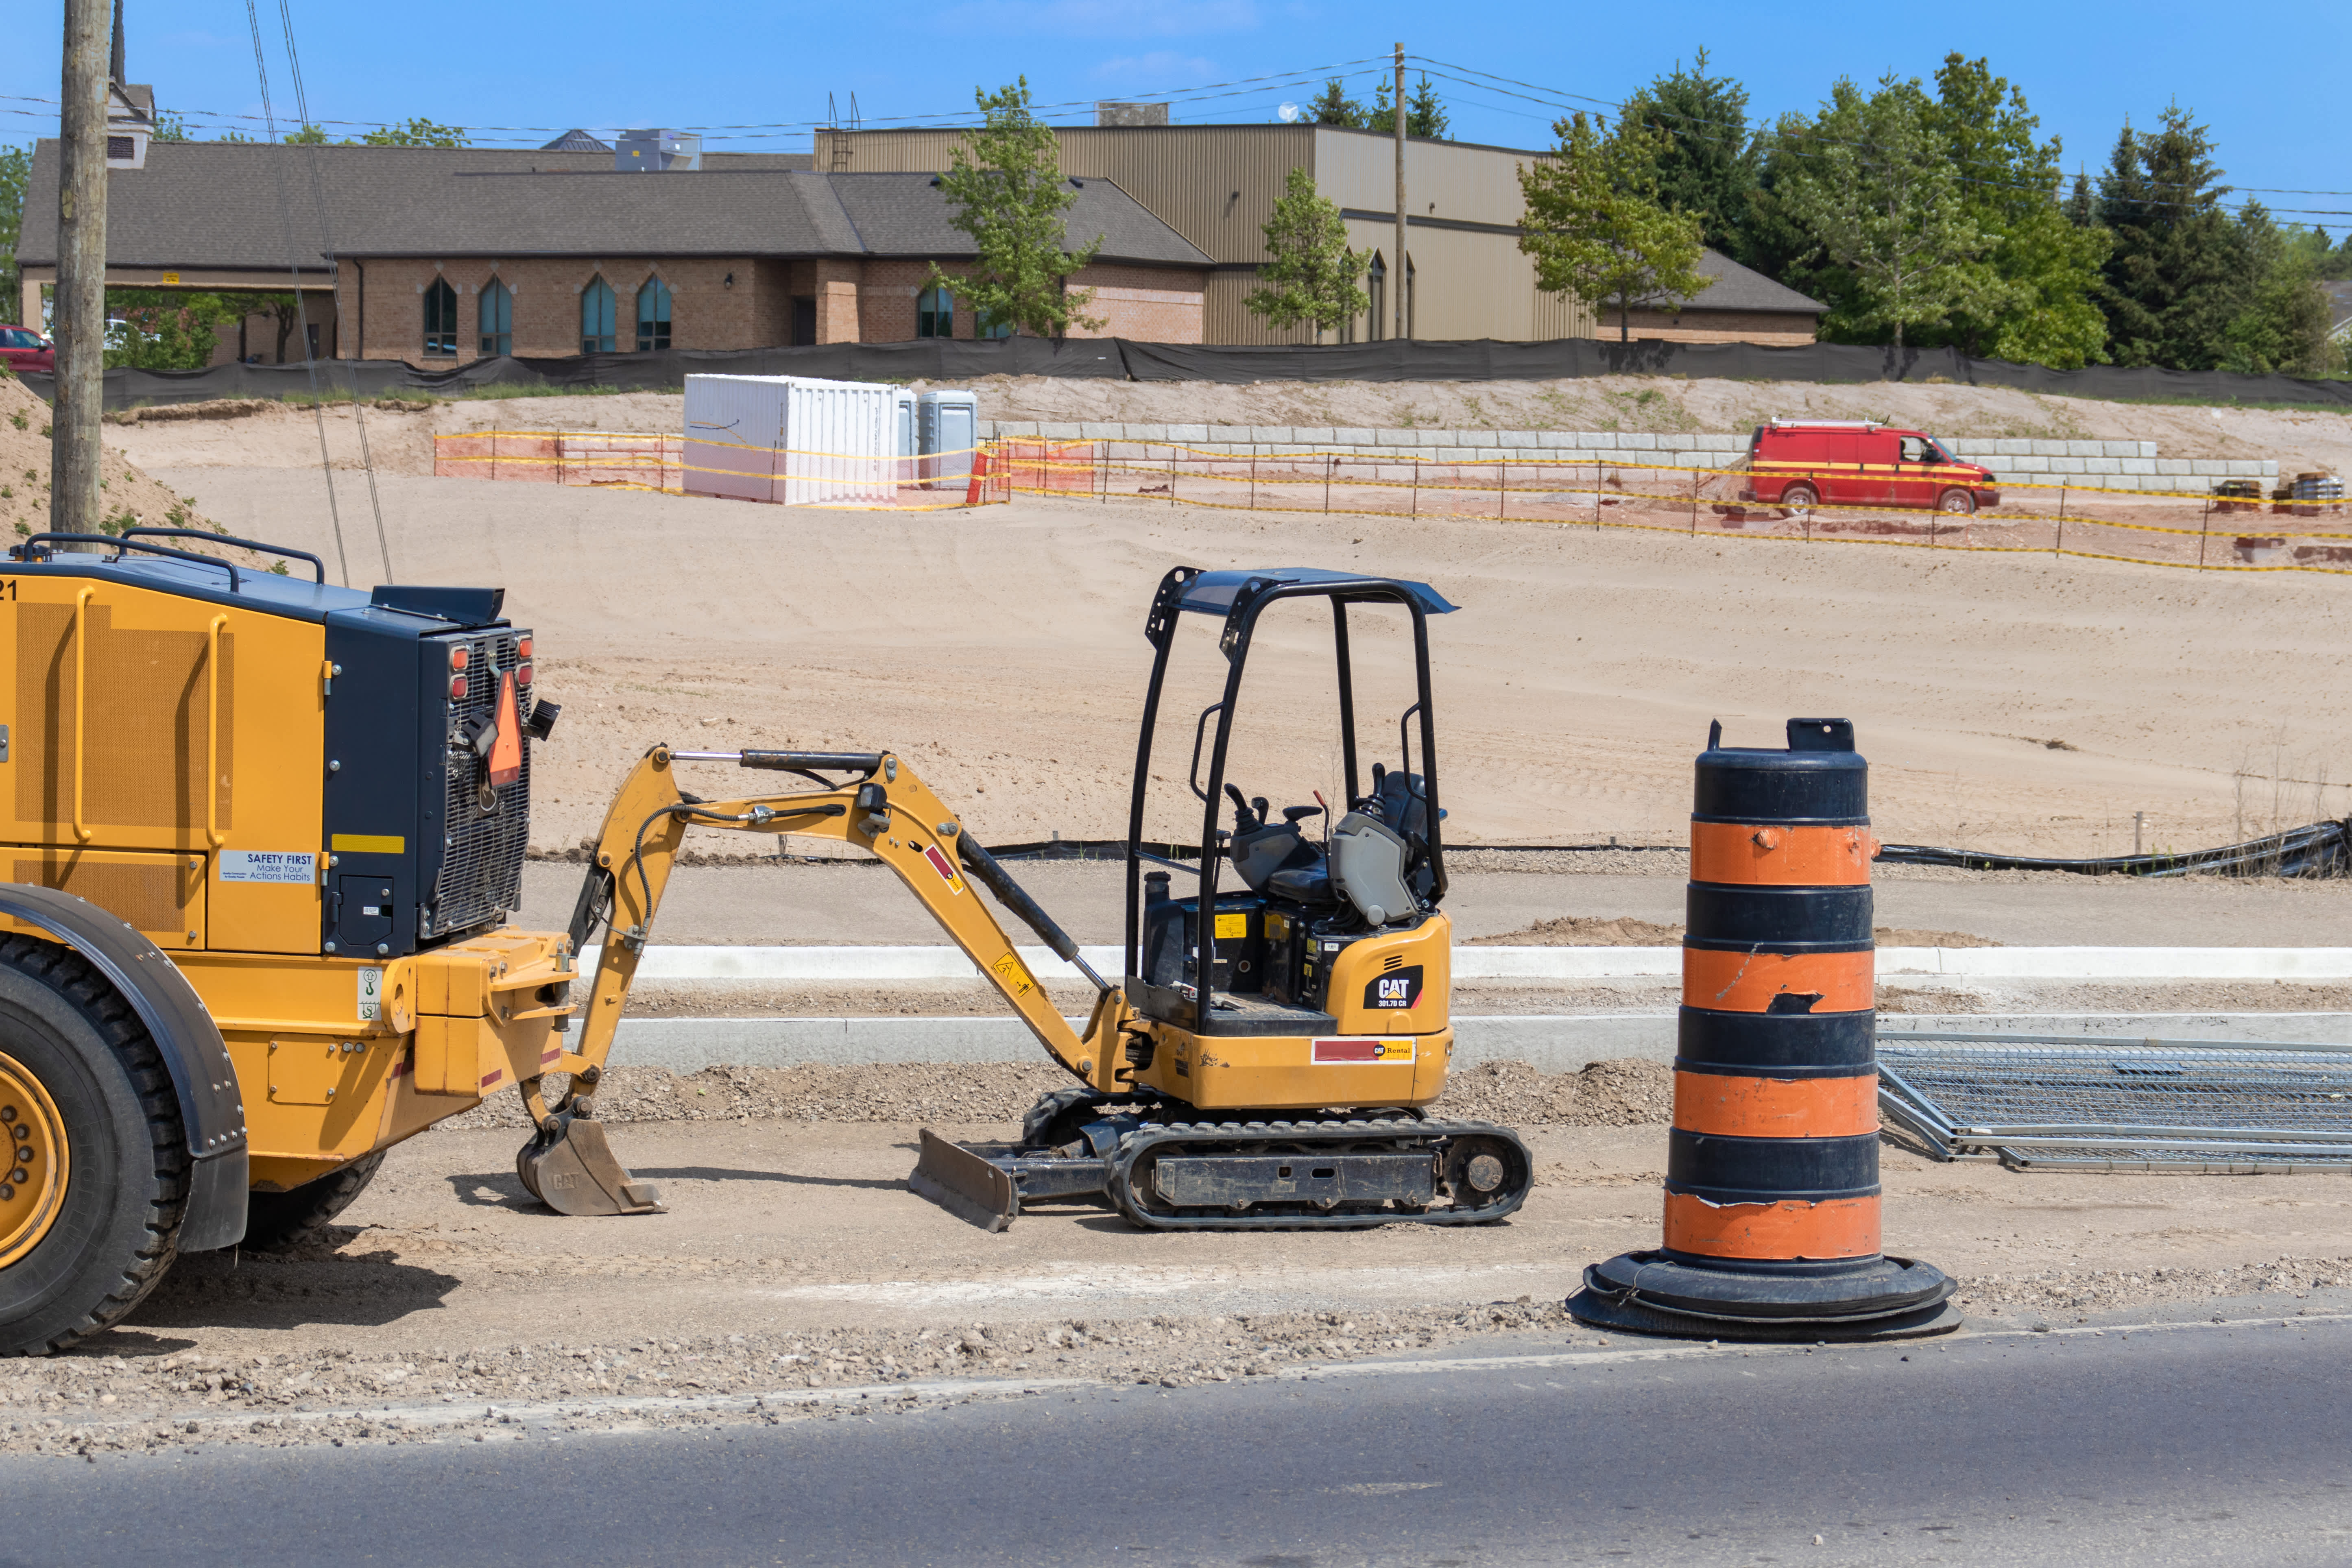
<point x="1803" y="463"/>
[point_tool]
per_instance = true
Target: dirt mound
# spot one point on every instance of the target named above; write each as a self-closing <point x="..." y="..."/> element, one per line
<point x="126" y="497"/>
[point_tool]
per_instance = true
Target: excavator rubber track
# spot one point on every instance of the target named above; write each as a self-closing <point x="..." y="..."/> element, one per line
<point x="1318" y="1175"/>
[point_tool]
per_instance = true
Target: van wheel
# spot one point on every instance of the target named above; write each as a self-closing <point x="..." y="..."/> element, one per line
<point x="1959" y="503"/>
<point x="280" y="1222"/>
<point x="1799" y="498"/>
<point x="95" y="1182"/>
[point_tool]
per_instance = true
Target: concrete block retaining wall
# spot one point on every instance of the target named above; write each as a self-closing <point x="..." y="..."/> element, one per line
<point x="2102" y="465"/>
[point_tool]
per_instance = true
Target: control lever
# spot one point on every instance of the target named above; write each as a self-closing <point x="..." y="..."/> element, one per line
<point x="1243" y="821"/>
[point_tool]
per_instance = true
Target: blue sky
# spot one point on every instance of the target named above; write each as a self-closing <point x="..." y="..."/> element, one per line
<point x="2270" y="79"/>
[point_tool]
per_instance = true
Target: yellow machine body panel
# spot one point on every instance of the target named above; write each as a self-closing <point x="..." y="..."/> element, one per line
<point x="146" y="727"/>
<point x="1378" y="1055"/>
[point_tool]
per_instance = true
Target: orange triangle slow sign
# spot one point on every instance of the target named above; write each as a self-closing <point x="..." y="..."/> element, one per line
<point x="506" y="751"/>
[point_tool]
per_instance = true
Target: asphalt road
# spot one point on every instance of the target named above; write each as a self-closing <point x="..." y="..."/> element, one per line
<point x="2204" y="1444"/>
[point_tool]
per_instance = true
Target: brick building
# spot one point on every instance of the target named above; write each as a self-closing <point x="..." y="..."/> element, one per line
<point x="452" y="254"/>
<point x="1462" y="274"/>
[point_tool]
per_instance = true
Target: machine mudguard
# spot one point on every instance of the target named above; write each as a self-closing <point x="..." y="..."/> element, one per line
<point x="203" y="1078"/>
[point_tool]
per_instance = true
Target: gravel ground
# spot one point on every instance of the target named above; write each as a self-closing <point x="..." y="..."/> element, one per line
<point x="1604" y="1094"/>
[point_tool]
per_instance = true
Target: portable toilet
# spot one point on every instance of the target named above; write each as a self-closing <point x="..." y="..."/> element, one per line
<point x="949" y="430"/>
<point x="789" y="438"/>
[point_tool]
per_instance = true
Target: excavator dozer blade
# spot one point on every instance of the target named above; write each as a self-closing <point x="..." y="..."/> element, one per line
<point x="966" y="1184"/>
<point x="570" y="1167"/>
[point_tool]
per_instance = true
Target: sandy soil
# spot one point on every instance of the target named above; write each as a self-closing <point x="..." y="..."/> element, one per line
<point x="794" y="1264"/>
<point x="24" y="475"/>
<point x="272" y="435"/>
<point x="1001" y="653"/>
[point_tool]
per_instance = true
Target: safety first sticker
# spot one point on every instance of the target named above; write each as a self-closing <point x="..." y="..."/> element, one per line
<point x="944" y="866"/>
<point x="269" y="866"/>
<point x="1358" y="1053"/>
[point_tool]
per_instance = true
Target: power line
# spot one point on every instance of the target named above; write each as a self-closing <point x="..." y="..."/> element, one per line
<point x="1563" y="98"/>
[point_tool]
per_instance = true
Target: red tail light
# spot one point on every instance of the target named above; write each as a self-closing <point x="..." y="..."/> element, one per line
<point x="458" y="689"/>
<point x="523" y="674"/>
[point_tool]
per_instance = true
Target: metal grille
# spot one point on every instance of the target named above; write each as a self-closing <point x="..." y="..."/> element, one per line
<point x="482" y="853"/>
<point x="2035" y="1101"/>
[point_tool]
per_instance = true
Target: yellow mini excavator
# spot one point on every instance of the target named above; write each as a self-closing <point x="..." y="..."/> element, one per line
<point x="263" y="835"/>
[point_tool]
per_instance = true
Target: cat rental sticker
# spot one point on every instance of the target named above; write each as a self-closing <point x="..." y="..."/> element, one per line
<point x="1361" y="1053"/>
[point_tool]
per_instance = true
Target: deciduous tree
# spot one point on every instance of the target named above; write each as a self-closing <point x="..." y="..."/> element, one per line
<point x="1879" y="197"/>
<point x="1594" y="224"/>
<point x="1310" y="275"/>
<point x="1010" y="195"/>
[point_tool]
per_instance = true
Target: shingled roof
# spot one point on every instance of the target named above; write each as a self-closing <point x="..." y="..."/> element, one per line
<point x="1731" y="287"/>
<point x="211" y="205"/>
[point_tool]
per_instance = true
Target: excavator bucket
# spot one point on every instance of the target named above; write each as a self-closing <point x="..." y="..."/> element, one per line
<point x="570" y="1167"/>
<point x="968" y="1185"/>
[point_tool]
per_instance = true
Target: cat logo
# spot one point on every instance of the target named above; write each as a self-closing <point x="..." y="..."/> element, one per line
<point x="1398" y="990"/>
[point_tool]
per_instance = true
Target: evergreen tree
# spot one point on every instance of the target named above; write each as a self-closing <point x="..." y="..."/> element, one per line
<point x="1332" y="106"/>
<point x="1707" y="164"/>
<point x="1596" y="228"/>
<point x="1006" y="185"/>
<point x="2171" y="286"/>
<point x="1877" y="193"/>
<point x="1424" y="114"/>
<point x="2037" y="306"/>
<point x="1310" y="275"/>
<point x="2281" y="324"/>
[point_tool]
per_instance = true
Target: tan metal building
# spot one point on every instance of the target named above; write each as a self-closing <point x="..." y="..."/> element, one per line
<point x="1216" y="185"/>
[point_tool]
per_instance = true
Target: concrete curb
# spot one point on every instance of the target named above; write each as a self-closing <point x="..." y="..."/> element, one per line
<point x="1550" y="1042"/>
<point x="938" y="962"/>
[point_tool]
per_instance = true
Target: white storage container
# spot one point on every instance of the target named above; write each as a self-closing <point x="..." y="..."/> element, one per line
<point x="791" y="440"/>
<point x="903" y="421"/>
<point x="948" y="429"/>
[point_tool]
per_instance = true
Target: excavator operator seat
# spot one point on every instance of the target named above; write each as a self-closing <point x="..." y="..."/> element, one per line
<point x="1369" y="863"/>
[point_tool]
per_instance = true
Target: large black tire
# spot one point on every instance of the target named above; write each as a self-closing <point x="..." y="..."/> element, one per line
<point x="117" y="1226"/>
<point x="280" y="1222"/>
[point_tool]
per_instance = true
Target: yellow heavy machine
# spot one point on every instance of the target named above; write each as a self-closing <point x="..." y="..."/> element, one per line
<point x="266" y="834"/>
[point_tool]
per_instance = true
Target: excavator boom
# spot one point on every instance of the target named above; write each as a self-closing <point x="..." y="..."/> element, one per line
<point x="885" y="809"/>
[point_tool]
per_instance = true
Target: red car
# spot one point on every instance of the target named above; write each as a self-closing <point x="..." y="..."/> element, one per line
<point x="22" y="350"/>
<point x="1803" y="463"/>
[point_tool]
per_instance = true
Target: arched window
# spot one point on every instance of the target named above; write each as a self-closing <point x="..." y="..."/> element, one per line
<point x="652" y="315"/>
<point x="440" y="320"/>
<point x="935" y="314"/>
<point x="495" y="315"/>
<point x="984" y="327"/>
<point x="1376" y="285"/>
<point x="597" y="309"/>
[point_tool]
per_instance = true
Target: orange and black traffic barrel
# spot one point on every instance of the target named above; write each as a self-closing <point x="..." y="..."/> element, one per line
<point x="1771" y="1192"/>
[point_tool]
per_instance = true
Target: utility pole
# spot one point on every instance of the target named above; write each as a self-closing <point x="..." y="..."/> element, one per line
<point x="1396" y="266"/>
<point x="81" y="271"/>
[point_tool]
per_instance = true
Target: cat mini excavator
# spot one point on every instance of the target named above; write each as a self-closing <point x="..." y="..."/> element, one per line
<point x="1265" y="1058"/>
<point x="263" y="836"/>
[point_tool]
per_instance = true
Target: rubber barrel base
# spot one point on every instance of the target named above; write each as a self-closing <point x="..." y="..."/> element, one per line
<point x="1651" y="1293"/>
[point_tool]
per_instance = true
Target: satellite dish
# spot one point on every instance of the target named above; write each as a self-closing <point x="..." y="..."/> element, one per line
<point x="1290" y="113"/>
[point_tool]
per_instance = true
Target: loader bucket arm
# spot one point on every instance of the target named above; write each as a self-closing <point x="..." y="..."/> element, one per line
<point x="888" y="812"/>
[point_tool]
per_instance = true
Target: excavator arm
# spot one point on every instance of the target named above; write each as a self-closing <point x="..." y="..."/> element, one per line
<point x="888" y="811"/>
